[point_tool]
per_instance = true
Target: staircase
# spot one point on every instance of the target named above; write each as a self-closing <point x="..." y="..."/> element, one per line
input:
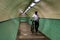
<point x="24" y="33"/>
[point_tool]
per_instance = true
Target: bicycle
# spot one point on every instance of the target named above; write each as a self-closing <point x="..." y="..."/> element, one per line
<point x="32" y="26"/>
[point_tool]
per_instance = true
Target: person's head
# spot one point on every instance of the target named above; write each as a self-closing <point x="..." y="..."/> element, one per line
<point x="36" y="12"/>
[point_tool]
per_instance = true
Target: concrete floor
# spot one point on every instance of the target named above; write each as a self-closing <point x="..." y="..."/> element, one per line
<point x="24" y="33"/>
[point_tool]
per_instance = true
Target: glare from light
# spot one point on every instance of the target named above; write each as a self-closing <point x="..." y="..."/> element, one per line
<point x="32" y="4"/>
<point x="36" y="0"/>
<point x="27" y="9"/>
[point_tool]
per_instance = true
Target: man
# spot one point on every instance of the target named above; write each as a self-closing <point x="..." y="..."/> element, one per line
<point x="35" y="21"/>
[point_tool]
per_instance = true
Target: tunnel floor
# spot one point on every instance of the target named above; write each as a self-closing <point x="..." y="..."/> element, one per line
<point x="24" y="33"/>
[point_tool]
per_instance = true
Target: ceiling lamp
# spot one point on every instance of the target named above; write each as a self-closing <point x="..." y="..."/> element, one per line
<point x="36" y="1"/>
<point x="32" y="4"/>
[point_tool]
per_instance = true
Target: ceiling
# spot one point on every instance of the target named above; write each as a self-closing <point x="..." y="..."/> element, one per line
<point x="46" y="8"/>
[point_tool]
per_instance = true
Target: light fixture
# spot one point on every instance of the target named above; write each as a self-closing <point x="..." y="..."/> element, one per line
<point x="32" y="4"/>
<point x="29" y="7"/>
<point x="36" y="1"/>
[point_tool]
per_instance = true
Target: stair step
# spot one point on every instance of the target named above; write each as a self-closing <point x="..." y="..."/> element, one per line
<point x="24" y="33"/>
<point x="23" y="37"/>
<point x="33" y="38"/>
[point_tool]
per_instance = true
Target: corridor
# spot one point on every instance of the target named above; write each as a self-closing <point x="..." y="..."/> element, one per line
<point x="24" y="33"/>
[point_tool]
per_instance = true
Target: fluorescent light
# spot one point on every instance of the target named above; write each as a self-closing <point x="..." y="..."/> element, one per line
<point x="36" y="0"/>
<point x="32" y="4"/>
<point x="29" y="7"/>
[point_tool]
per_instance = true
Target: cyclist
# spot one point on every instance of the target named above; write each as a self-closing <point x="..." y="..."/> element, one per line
<point x="35" y="22"/>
